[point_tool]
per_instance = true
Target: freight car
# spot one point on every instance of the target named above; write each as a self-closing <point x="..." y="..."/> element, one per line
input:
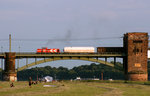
<point x="79" y="49"/>
<point x="110" y="49"/>
<point x="148" y="52"/>
<point x="46" y="50"/>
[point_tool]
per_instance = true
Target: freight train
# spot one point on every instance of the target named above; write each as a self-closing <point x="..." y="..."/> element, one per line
<point x="82" y="50"/>
<point x="67" y="50"/>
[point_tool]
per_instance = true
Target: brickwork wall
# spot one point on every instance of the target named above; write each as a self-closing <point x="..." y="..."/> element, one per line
<point x="10" y="62"/>
<point x="136" y="46"/>
<point x="9" y="73"/>
<point x="138" y="77"/>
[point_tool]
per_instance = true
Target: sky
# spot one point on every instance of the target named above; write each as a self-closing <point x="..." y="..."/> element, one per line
<point x="41" y="23"/>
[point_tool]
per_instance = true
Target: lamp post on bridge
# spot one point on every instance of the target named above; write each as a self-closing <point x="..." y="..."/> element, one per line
<point x="2" y="59"/>
<point x="9" y="73"/>
<point x="2" y="64"/>
<point x="18" y="59"/>
<point x="9" y="42"/>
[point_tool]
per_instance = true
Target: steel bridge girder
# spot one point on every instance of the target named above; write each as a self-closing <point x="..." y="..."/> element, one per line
<point x="65" y="58"/>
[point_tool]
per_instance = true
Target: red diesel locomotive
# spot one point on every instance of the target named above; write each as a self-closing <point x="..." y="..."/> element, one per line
<point x="46" y="50"/>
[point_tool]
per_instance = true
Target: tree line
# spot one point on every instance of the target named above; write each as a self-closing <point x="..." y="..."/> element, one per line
<point x="84" y="71"/>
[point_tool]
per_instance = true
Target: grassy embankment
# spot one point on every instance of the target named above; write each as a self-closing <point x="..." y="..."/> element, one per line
<point x="67" y="88"/>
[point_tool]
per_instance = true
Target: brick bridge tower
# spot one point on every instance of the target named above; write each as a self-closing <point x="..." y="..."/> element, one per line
<point x="9" y="73"/>
<point x="135" y="63"/>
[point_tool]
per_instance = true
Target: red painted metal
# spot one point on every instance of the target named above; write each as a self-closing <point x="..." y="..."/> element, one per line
<point x="39" y="50"/>
<point x="46" y="50"/>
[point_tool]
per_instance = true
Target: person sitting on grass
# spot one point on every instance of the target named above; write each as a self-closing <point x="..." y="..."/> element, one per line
<point x="12" y="85"/>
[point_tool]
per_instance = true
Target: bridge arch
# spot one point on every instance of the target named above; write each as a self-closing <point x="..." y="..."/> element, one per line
<point x="64" y="58"/>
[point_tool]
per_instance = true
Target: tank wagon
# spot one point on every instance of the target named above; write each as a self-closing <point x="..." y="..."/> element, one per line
<point x="82" y="50"/>
<point x="79" y="49"/>
<point x="110" y="49"/>
<point x="148" y="52"/>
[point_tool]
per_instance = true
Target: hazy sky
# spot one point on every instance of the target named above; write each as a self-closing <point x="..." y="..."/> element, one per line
<point x="70" y="19"/>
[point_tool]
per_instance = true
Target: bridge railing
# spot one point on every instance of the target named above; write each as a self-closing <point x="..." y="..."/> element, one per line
<point x="69" y="53"/>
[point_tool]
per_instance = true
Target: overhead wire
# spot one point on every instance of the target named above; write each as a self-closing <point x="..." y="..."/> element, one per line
<point x="62" y="39"/>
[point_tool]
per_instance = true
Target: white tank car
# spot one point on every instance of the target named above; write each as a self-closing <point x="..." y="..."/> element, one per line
<point x="148" y="53"/>
<point x="79" y="49"/>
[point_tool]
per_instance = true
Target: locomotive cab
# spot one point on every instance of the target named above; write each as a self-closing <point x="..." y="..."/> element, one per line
<point x="46" y="50"/>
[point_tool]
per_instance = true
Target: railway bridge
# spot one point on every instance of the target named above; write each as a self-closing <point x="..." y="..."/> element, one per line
<point x="135" y="57"/>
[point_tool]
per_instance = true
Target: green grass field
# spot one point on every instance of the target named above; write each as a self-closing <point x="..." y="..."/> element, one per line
<point x="76" y="88"/>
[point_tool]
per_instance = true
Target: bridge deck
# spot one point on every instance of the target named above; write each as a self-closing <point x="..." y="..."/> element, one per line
<point x="35" y="55"/>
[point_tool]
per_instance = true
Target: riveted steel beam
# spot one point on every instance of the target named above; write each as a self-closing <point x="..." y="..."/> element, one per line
<point x="65" y="58"/>
<point x="94" y="55"/>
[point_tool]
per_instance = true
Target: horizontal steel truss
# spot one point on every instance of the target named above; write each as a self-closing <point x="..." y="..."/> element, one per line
<point x="65" y="58"/>
<point x="35" y="55"/>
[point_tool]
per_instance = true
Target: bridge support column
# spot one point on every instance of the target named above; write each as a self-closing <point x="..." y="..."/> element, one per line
<point x="9" y="73"/>
<point x="135" y="63"/>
